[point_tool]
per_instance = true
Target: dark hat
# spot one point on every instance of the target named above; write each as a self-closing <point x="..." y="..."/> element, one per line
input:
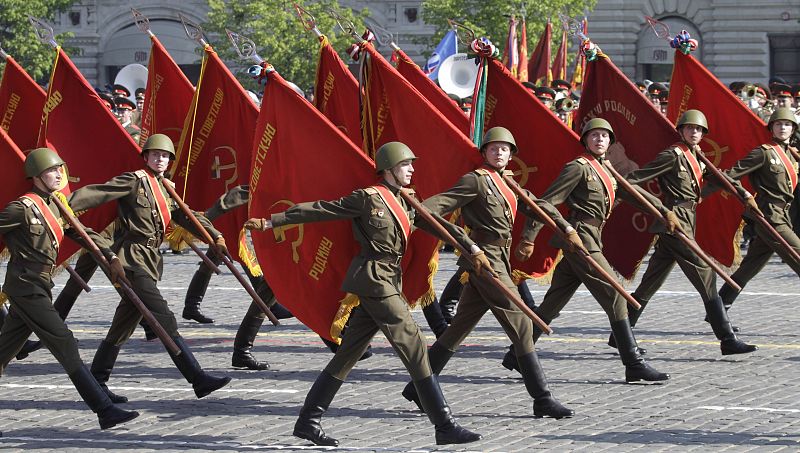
<point x="796" y="91"/>
<point x="124" y="103"/>
<point x="776" y="79"/>
<point x="529" y="85"/>
<point x="641" y="86"/>
<point x="763" y="90"/>
<point x="664" y="97"/>
<point x="655" y="89"/>
<point x="140" y="93"/>
<point x="545" y="93"/>
<point x="737" y="86"/>
<point x="120" y="90"/>
<point x="560" y="84"/>
<point x="466" y="102"/>
<point x="780" y="89"/>
<point x="107" y="99"/>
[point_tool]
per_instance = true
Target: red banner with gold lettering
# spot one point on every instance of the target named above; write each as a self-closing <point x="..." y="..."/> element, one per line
<point x="641" y="132"/>
<point x="336" y="92"/>
<point x="167" y="97"/>
<point x="544" y="145"/>
<point x="12" y="161"/>
<point x="304" y="264"/>
<point x="395" y="111"/>
<point x="21" y="103"/>
<point x="96" y="148"/>
<point x="213" y="155"/>
<point x="432" y="92"/>
<point x="734" y="130"/>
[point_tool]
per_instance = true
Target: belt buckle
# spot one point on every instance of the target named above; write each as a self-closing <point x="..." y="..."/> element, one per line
<point x="151" y="242"/>
<point x="508" y="243"/>
<point x="398" y="260"/>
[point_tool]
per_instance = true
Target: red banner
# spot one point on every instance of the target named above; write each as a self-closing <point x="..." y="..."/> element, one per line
<point x="305" y="264"/>
<point x="734" y="130"/>
<point x="96" y="148"/>
<point x="167" y="97"/>
<point x="395" y="111"/>
<point x="559" y="70"/>
<point x="21" y="104"/>
<point x="336" y="92"/>
<point x="539" y="64"/>
<point x="522" y="69"/>
<point x="432" y="92"/>
<point x="214" y="152"/>
<point x="12" y="161"/>
<point x="544" y="143"/>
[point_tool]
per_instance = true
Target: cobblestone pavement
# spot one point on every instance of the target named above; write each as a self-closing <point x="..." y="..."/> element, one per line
<point x="739" y="403"/>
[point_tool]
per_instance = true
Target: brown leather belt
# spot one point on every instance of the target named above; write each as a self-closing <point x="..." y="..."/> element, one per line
<point x="685" y="204"/>
<point x="483" y="238"/>
<point x="151" y="242"/>
<point x="385" y="258"/>
<point x="590" y="220"/>
<point x="39" y="268"/>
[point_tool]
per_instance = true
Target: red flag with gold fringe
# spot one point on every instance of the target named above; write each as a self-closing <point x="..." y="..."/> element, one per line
<point x="641" y="132"/>
<point x="305" y="264"/>
<point x="544" y="146"/>
<point x="539" y="63"/>
<point x="167" y="97"/>
<point x="96" y="148"/>
<point x="395" y="111"/>
<point x="431" y="91"/>
<point x="336" y="92"/>
<point x="213" y="155"/>
<point x="734" y="130"/>
<point x="21" y="104"/>
<point x="12" y="161"/>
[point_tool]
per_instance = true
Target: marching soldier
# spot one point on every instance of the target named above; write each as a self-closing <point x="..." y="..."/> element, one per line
<point x="32" y="228"/>
<point x="589" y="190"/>
<point x="680" y="176"/>
<point x="125" y="109"/>
<point x="382" y="223"/>
<point x="772" y="168"/>
<point x="488" y="207"/>
<point x="145" y="213"/>
<point x="783" y="95"/>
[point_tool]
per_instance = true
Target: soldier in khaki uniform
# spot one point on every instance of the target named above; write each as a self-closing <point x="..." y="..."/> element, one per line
<point x="32" y="228"/>
<point x="772" y="169"/>
<point x="488" y="207"/>
<point x="589" y="190"/>
<point x="381" y="223"/>
<point x="680" y="175"/>
<point x="145" y="211"/>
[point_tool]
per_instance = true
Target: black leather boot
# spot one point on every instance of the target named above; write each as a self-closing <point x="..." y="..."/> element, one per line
<point x="108" y="414"/>
<point x="243" y="344"/>
<point x="728" y="296"/>
<point x="633" y="316"/>
<point x="103" y="363"/>
<point x="438" y="356"/>
<point x="544" y="404"/>
<point x="149" y="334"/>
<point x="448" y="431"/>
<point x="718" y="318"/>
<point x="202" y="382"/>
<point x="195" y="294"/>
<point x="636" y="369"/>
<point x="309" y="424"/>
<point x="510" y="359"/>
<point x="435" y="318"/>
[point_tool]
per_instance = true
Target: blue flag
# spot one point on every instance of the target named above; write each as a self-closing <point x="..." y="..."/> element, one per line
<point x="446" y="47"/>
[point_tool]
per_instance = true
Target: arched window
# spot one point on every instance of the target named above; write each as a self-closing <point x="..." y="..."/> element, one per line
<point x="654" y="56"/>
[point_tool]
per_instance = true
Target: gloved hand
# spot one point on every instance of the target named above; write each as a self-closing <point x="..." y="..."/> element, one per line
<point x="575" y="242"/>
<point x="752" y="207"/>
<point x="524" y="250"/>
<point x="480" y="262"/>
<point x="219" y="247"/>
<point x="258" y="224"/>
<point x="673" y="224"/>
<point x="117" y="272"/>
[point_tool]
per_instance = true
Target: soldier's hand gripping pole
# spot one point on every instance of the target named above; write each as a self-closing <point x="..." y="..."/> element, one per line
<point x="757" y="216"/>
<point x="689" y="242"/>
<point x="582" y="253"/>
<point x="124" y="289"/>
<point x="225" y="258"/>
<point x="511" y="295"/>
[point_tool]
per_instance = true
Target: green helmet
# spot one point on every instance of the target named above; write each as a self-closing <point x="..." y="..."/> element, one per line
<point x="695" y="117"/>
<point x="597" y="123"/>
<point x="391" y="154"/>
<point x="160" y="142"/>
<point x="783" y="113"/>
<point x="39" y="160"/>
<point x="499" y="134"/>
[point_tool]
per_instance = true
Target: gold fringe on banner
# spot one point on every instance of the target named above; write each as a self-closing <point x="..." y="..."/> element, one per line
<point x="3" y="297"/>
<point x="518" y="276"/>
<point x="433" y="267"/>
<point x="346" y="306"/>
<point x="248" y="255"/>
<point x="178" y="238"/>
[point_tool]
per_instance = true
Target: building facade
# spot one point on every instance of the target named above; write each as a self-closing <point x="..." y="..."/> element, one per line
<point x="751" y="40"/>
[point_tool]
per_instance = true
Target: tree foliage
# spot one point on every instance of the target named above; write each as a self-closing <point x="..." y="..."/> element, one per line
<point x="278" y="34"/>
<point x="489" y="18"/>
<point x="17" y="37"/>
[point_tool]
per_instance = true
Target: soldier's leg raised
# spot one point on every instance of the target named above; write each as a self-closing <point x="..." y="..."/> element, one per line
<point x="245" y="337"/>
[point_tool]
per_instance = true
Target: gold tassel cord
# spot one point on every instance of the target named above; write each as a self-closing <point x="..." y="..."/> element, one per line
<point x="346" y="306"/>
<point x="247" y="255"/>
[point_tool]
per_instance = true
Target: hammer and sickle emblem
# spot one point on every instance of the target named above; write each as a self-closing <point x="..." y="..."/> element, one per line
<point x="217" y="167"/>
<point x="523" y="171"/>
<point x="280" y="232"/>
<point x="716" y="151"/>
